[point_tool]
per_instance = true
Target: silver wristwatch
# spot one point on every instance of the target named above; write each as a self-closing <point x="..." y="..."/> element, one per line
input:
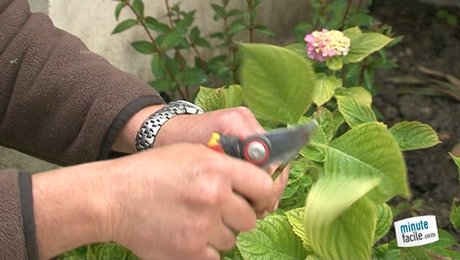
<point x="145" y="138"/>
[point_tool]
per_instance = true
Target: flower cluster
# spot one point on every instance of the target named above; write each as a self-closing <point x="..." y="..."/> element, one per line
<point x="325" y="44"/>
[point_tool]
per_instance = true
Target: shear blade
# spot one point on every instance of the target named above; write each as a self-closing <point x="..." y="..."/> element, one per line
<point x="286" y="143"/>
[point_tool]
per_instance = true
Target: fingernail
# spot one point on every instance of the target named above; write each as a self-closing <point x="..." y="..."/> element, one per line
<point x="276" y="204"/>
<point x="264" y="214"/>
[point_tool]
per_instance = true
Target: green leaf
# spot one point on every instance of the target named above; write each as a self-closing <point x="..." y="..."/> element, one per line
<point x="446" y="240"/>
<point x="416" y="253"/>
<point x="338" y="119"/>
<point x="295" y="218"/>
<point x="123" y="26"/>
<point x="312" y="257"/>
<point x="109" y="251"/>
<point x="414" y="135"/>
<point x="325" y="119"/>
<point x="359" y="94"/>
<point x="162" y="85"/>
<point x="362" y="45"/>
<point x="322" y="135"/>
<point x="144" y="47"/>
<point x="445" y="254"/>
<point x="368" y="151"/>
<point x="236" y="26"/>
<point x="280" y="93"/>
<point x="455" y="215"/>
<point x="325" y="87"/>
<point x="186" y="21"/>
<point x="99" y="251"/>
<point x="219" y="12"/>
<point x="233" y="254"/>
<point x="138" y="7"/>
<point x="334" y="63"/>
<point x="118" y="9"/>
<point x="202" y="43"/>
<point x="361" y="19"/>
<point x="218" y="35"/>
<point x="211" y="99"/>
<point x="195" y="34"/>
<point x="331" y="196"/>
<point x="156" y="26"/>
<point x="299" y="48"/>
<point x="384" y="221"/>
<point x="171" y="39"/>
<point x="193" y="77"/>
<point x="75" y="254"/>
<point x="197" y="40"/>
<point x="235" y="13"/>
<point x="273" y="238"/>
<point x="336" y="230"/>
<point x="157" y="66"/>
<point x="457" y="162"/>
<point x="264" y="29"/>
<point x="299" y="182"/>
<point x="354" y="112"/>
<point x="314" y="153"/>
<point x="352" y="33"/>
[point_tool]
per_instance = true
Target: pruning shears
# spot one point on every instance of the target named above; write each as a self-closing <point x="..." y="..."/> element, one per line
<point x="275" y="147"/>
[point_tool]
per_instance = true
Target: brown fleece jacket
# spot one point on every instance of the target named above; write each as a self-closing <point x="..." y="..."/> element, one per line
<point x="58" y="102"/>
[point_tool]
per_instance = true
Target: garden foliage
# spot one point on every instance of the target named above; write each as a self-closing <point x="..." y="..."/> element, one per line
<point x="335" y="204"/>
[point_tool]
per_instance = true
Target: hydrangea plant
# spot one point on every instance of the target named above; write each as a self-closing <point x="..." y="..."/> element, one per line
<point x="326" y="44"/>
<point x="335" y="203"/>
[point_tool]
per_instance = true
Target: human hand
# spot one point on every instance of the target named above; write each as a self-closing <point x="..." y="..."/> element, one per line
<point x="198" y="129"/>
<point x="238" y="122"/>
<point x="188" y="208"/>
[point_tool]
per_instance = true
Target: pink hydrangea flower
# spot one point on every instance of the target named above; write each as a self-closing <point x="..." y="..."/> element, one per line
<point x="324" y="44"/>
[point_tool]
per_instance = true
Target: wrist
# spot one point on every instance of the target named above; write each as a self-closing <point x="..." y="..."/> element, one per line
<point x="71" y="207"/>
<point x="125" y="138"/>
<point x="150" y="128"/>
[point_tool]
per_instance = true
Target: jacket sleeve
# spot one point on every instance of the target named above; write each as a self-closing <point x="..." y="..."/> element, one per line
<point x="58" y="101"/>
<point x="17" y="229"/>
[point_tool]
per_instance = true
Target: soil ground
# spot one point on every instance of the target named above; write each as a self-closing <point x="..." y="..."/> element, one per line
<point x="431" y="42"/>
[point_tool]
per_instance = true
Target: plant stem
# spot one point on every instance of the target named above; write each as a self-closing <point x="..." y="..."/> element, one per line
<point x="360" y="4"/>
<point x="251" y="20"/>
<point x="169" y="14"/>
<point x="157" y="48"/>
<point x="231" y="49"/>
<point x="202" y="62"/>
<point x="192" y="45"/>
<point x="321" y="13"/>
<point x="345" y="15"/>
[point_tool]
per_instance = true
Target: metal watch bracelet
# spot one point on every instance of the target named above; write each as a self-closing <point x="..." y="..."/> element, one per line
<point x="145" y="138"/>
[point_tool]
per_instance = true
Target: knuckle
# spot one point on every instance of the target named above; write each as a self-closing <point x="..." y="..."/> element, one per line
<point x="194" y="241"/>
<point x="210" y="196"/>
<point x="244" y="111"/>
<point x="195" y="245"/>
<point x="239" y="113"/>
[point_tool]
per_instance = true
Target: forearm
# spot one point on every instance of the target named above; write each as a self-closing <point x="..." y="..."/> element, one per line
<point x="68" y="102"/>
<point x="70" y="206"/>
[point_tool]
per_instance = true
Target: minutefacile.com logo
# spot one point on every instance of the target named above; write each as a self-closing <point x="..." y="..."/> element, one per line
<point x="416" y="231"/>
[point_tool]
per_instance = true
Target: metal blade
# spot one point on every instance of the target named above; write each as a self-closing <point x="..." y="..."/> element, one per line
<point x="286" y="143"/>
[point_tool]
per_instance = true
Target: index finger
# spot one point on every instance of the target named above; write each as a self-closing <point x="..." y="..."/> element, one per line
<point x="251" y="182"/>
